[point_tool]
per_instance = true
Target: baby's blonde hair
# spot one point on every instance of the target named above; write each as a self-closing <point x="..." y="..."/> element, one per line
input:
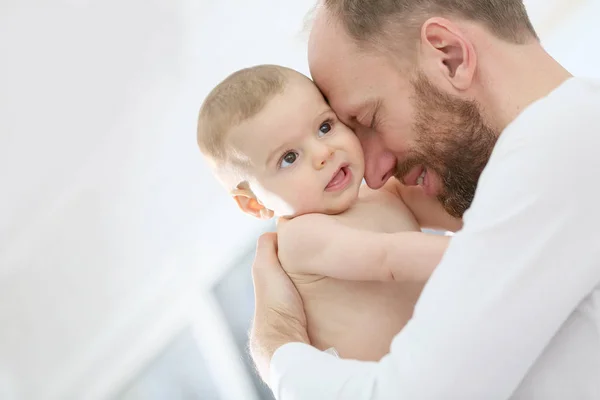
<point x="239" y="97"/>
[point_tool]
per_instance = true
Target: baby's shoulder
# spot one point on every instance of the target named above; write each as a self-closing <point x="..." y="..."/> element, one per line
<point x="387" y="197"/>
<point x="301" y="238"/>
<point x="381" y="210"/>
<point x="290" y="230"/>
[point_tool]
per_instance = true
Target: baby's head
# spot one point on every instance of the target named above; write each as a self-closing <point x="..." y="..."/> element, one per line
<point x="275" y="143"/>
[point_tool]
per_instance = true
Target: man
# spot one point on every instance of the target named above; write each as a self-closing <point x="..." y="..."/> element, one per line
<point x="435" y="90"/>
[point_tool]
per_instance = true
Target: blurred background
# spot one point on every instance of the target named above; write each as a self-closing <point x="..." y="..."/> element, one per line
<point x="124" y="268"/>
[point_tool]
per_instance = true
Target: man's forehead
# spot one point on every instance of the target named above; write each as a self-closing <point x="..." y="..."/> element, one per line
<point x="335" y="64"/>
<point x="319" y="21"/>
<point x="328" y="41"/>
<point x="347" y="92"/>
<point x="350" y="108"/>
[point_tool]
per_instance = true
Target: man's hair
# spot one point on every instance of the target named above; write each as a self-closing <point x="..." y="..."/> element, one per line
<point x="239" y="97"/>
<point x="366" y="20"/>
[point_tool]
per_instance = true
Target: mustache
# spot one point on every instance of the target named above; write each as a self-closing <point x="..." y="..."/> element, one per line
<point x="403" y="167"/>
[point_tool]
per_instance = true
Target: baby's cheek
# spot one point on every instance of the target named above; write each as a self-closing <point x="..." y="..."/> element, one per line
<point x="308" y="202"/>
<point x="307" y="199"/>
<point x="277" y="201"/>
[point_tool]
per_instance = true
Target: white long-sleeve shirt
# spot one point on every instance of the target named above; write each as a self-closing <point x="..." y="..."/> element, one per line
<point x="513" y="309"/>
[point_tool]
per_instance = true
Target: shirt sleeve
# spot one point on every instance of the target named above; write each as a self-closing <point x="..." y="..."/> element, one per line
<point x="527" y="256"/>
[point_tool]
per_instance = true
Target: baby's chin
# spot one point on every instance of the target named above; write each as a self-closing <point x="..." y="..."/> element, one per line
<point x="330" y="206"/>
<point x="334" y="209"/>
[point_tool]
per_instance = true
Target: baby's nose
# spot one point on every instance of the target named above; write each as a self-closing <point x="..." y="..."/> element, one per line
<point x="323" y="157"/>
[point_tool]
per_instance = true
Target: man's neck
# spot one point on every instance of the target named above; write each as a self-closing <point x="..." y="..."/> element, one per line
<point x="517" y="76"/>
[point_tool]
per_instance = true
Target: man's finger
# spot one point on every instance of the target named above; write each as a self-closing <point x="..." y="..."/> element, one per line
<point x="266" y="253"/>
<point x="268" y="239"/>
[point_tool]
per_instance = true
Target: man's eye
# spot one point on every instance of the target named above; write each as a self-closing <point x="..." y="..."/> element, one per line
<point x="288" y="159"/>
<point x="373" y="123"/>
<point x="375" y="117"/>
<point x="324" y="129"/>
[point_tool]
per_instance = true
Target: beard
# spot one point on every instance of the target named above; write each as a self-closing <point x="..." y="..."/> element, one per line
<point x="453" y="140"/>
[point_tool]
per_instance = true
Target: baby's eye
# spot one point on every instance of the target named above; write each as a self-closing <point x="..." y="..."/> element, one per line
<point x="288" y="159"/>
<point x="324" y="128"/>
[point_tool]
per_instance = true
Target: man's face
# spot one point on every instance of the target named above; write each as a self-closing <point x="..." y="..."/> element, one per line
<point x="407" y="127"/>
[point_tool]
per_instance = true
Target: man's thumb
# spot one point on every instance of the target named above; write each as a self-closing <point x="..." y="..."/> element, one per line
<point x="266" y="254"/>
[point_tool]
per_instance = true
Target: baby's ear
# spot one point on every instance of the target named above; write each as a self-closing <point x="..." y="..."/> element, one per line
<point x="249" y="204"/>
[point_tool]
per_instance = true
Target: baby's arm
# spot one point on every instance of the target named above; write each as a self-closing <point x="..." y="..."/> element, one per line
<point x="319" y="244"/>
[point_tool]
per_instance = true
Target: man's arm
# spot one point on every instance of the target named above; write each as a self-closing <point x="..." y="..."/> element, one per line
<point x="525" y="259"/>
<point x="319" y="244"/>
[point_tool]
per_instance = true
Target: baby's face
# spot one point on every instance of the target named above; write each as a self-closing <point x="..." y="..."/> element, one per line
<point x="302" y="159"/>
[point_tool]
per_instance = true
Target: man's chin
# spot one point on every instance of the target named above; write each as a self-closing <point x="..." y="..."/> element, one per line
<point x="454" y="202"/>
<point x="455" y="206"/>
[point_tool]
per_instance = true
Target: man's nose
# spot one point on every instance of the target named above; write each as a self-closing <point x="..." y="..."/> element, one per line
<point x="380" y="163"/>
<point x="322" y="154"/>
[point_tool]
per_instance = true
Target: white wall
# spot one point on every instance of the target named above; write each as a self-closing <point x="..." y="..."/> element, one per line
<point x="573" y="36"/>
<point x="108" y="215"/>
<point x="109" y="221"/>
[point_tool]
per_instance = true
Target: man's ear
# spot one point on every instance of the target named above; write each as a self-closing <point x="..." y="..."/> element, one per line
<point x="452" y="54"/>
<point x="248" y="203"/>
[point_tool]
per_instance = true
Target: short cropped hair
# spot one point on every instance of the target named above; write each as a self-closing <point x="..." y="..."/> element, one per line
<point x="239" y="97"/>
<point x="365" y="20"/>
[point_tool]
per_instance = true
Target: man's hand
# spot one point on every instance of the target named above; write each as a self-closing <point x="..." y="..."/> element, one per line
<point x="279" y="316"/>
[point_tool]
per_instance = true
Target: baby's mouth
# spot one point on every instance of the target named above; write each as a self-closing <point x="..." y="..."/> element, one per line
<point x="339" y="179"/>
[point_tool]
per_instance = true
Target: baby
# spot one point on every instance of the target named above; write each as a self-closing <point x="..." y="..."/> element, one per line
<point x="272" y="139"/>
